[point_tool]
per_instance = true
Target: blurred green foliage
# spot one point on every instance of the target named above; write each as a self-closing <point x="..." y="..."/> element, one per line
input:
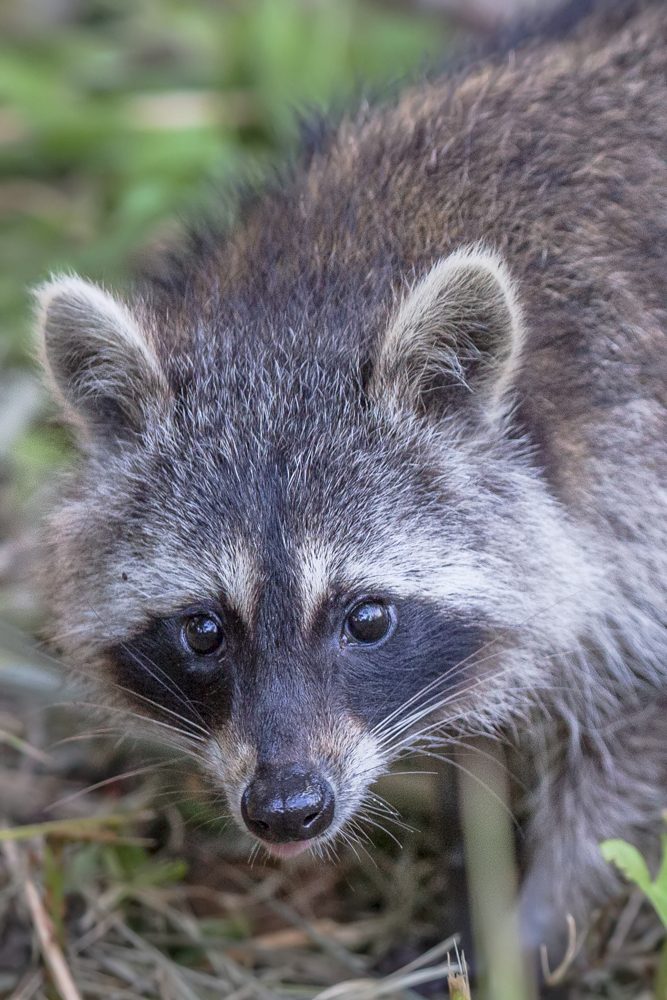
<point x="117" y="115"/>
<point x="630" y="862"/>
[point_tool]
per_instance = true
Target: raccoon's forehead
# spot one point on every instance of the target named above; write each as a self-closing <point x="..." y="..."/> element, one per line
<point x="277" y="576"/>
<point x="294" y="441"/>
<point x="260" y="476"/>
<point x="333" y="506"/>
<point x="208" y="512"/>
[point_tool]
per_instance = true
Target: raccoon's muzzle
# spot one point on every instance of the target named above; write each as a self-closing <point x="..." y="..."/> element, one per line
<point x="287" y="804"/>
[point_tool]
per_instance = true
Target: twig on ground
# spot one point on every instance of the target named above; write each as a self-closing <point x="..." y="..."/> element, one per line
<point x="330" y="947"/>
<point x="46" y="933"/>
<point x="625" y="921"/>
<point x="28" y="986"/>
<point x="555" y="977"/>
<point x="403" y="979"/>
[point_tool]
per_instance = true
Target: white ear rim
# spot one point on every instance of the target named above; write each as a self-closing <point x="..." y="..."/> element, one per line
<point x="463" y="274"/>
<point x="94" y="300"/>
<point x="104" y="320"/>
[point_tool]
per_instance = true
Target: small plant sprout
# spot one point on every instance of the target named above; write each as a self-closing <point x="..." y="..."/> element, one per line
<point x="629" y="861"/>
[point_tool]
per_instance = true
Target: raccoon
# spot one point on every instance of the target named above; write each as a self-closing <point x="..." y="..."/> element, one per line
<point x="385" y="462"/>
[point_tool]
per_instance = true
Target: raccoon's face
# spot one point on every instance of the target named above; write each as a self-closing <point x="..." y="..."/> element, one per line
<point x="295" y="565"/>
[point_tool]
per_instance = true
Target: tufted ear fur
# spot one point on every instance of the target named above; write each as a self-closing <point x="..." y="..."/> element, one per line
<point x="456" y="337"/>
<point x="97" y="357"/>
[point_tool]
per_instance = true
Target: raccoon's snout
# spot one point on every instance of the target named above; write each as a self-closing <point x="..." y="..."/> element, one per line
<point x="287" y="803"/>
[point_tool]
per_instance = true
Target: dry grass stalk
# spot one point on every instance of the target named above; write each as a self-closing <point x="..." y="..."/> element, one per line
<point x="85" y="828"/>
<point x="175" y="976"/>
<point x="459" y="987"/>
<point x="573" y="946"/>
<point x="355" y="934"/>
<point x="331" y="947"/>
<point x="223" y="964"/>
<point x="12" y="740"/>
<point x="28" y="986"/>
<point x="457" y="979"/>
<point x="46" y="932"/>
<point x="412" y="974"/>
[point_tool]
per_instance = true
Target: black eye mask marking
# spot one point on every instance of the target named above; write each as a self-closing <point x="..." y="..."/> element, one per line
<point x="368" y="656"/>
<point x="176" y="668"/>
<point x="425" y="646"/>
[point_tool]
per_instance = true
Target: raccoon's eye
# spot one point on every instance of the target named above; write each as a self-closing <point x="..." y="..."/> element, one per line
<point x="203" y="634"/>
<point x="368" y="622"/>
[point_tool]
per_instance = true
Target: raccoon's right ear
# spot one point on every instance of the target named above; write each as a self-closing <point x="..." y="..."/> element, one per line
<point x="97" y="358"/>
<point x="455" y="340"/>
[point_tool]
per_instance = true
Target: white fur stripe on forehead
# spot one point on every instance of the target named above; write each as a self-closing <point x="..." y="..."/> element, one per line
<point x="462" y="317"/>
<point x="171" y="578"/>
<point x="241" y="580"/>
<point x="93" y="349"/>
<point x="164" y="579"/>
<point x="316" y="566"/>
<point x="389" y="569"/>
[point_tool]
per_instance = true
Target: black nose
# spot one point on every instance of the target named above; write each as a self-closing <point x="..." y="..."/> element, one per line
<point x="287" y="803"/>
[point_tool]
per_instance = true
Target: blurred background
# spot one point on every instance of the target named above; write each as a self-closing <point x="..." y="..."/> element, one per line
<point x="120" y="120"/>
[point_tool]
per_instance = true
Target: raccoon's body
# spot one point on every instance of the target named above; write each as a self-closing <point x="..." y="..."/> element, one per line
<point x="389" y="458"/>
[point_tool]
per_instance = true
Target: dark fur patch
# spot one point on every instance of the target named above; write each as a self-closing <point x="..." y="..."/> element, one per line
<point x="168" y="681"/>
<point x="428" y="647"/>
<point x="276" y="674"/>
<point x="563" y="21"/>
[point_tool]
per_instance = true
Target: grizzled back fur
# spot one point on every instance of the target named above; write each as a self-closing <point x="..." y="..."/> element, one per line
<point x="386" y="462"/>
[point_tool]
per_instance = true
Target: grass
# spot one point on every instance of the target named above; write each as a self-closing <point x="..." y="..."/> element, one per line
<point x="118" y="116"/>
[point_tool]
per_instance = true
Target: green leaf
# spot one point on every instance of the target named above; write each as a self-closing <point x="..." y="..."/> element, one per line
<point x="628" y="859"/>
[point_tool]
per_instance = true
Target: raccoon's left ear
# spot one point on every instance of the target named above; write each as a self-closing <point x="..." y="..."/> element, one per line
<point x="455" y="340"/>
<point x="99" y="360"/>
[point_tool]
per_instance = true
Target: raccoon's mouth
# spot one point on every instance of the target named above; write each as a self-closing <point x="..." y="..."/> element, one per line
<point x="287" y="850"/>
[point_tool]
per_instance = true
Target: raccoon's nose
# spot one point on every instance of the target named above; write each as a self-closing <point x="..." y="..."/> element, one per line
<point x="287" y="803"/>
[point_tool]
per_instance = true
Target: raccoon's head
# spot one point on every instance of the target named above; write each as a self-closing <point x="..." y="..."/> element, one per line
<point x="299" y="552"/>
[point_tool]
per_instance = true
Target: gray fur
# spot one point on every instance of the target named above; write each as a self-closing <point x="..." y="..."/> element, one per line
<point x="490" y="444"/>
